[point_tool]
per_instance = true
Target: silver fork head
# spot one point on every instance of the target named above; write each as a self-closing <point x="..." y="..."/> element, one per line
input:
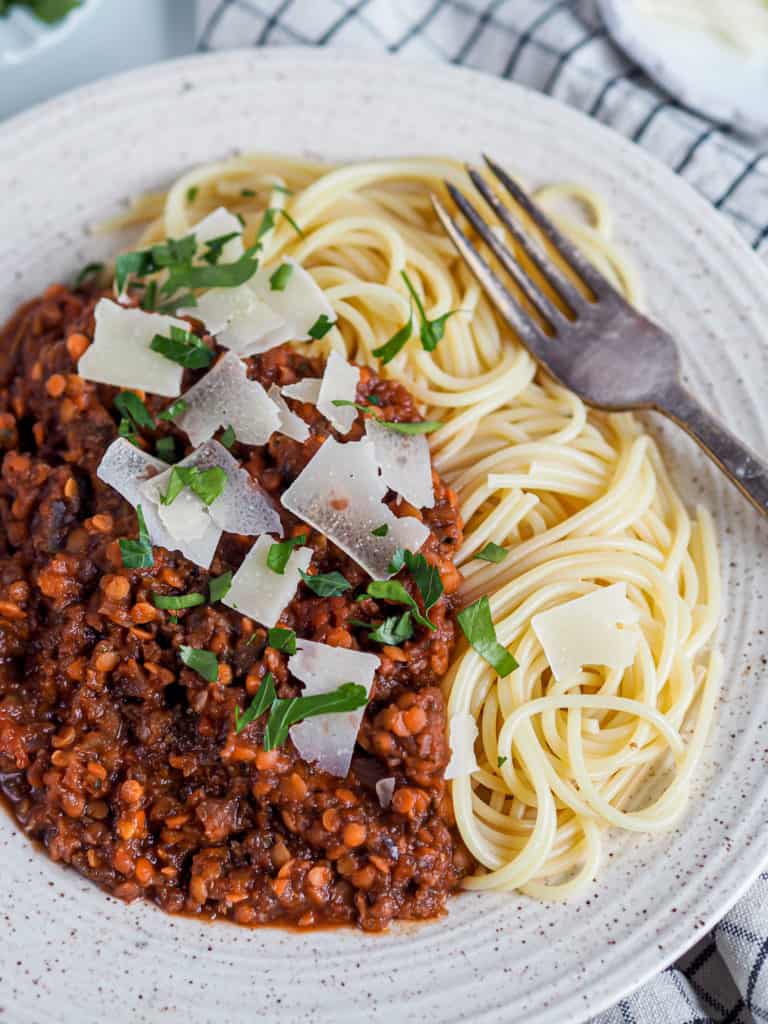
<point x="591" y="340"/>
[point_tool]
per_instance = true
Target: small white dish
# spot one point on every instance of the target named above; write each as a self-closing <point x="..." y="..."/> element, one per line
<point x="22" y="34"/>
<point x="700" y="69"/>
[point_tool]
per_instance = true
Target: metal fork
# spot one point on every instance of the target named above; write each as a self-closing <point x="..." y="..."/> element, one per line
<point x="610" y="355"/>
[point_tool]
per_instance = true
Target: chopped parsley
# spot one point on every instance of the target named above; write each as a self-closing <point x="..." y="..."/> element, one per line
<point x="387" y="352"/>
<point x="393" y="631"/>
<point x="329" y="584"/>
<point x="215" y="246"/>
<point x="282" y="639"/>
<point x="320" y="327"/>
<point x="268" y="221"/>
<point x="205" y="663"/>
<point x="477" y="625"/>
<point x="176" y="601"/>
<point x="218" y="586"/>
<point x="492" y="553"/>
<point x="280" y="278"/>
<point x="130" y="405"/>
<point x="184" y="348"/>
<point x="166" y="449"/>
<point x="393" y="590"/>
<point x="285" y="713"/>
<point x="89" y="271"/>
<point x="500" y="760"/>
<point x="173" y="410"/>
<point x="247" y="193"/>
<point x="192" y="193"/>
<point x="137" y="554"/>
<point x="431" y="331"/>
<point x="280" y="552"/>
<point x="207" y="484"/>
<point x="419" y="427"/>
<point x="228" y="437"/>
<point x="263" y="699"/>
<point x="381" y="531"/>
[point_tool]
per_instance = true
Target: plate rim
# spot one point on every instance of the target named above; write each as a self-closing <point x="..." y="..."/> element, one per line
<point x="51" y="109"/>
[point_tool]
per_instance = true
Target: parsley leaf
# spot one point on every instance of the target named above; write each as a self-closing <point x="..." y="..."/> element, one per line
<point x="284" y="713"/>
<point x="137" y="554"/>
<point x="228" y="437"/>
<point x="393" y="630"/>
<point x="393" y="590"/>
<point x="500" y="760"/>
<point x="192" y="193"/>
<point x="127" y="430"/>
<point x="132" y="406"/>
<point x="175" y="252"/>
<point x="215" y="246"/>
<point x="218" y="586"/>
<point x="282" y="639"/>
<point x="207" y="484"/>
<point x="431" y="331"/>
<point x="268" y="221"/>
<point x="184" y="348"/>
<point x="426" y="577"/>
<point x="397" y="561"/>
<point x="89" y="271"/>
<point x="174" y="409"/>
<point x="175" y="601"/>
<point x="166" y="449"/>
<point x="329" y="584"/>
<point x="380" y="531"/>
<point x="477" y="625"/>
<point x="247" y="193"/>
<point x="320" y="327"/>
<point x="263" y="699"/>
<point x="280" y="552"/>
<point x="492" y="553"/>
<point x="279" y="279"/>
<point x="387" y="352"/>
<point x="220" y="275"/>
<point x="205" y="663"/>
<point x="419" y="427"/>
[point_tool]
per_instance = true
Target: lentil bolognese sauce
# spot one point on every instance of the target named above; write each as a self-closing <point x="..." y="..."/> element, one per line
<point x="137" y="766"/>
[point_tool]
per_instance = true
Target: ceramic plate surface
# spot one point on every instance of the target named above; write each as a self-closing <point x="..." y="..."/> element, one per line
<point x="72" y="955"/>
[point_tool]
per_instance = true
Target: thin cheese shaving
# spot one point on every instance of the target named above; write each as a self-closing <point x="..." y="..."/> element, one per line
<point x="306" y="390"/>
<point x="301" y="302"/>
<point x="329" y="740"/>
<point x="238" y="318"/>
<point x="218" y="223"/>
<point x="385" y="789"/>
<point x="462" y="733"/>
<point x="340" y="493"/>
<point x="260" y="593"/>
<point x="404" y="462"/>
<point x="291" y="425"/>
<point x="339" y="383"/>
<point x="226" y="397"/>
<point x="597" y="629"/>
<point x="125" y="468"/>
<point x="120" y="354"/>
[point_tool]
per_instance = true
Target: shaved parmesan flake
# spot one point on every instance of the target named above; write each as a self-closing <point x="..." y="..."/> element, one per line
<point x="226" y="397"/>
<point x="238" y="318"/>
<point x="404" y="462"/>
<point x="590" y="630"/>
<point x="120" y="352"/>
<point x="300" y="303"/>
<point x="291" y="425"/>
<point x="329" y="740"/>
<point x="260" y="593"/>
<point x="218" y="223"/>
<point x="125" y="468"/>
<point x="339" y="383"/>
<point x="462" y="733"/>
<point x="385" y="789"/>
<point x="242" y="507"/>
<point x="340" y="493"/>
<point x="307" y="390"/>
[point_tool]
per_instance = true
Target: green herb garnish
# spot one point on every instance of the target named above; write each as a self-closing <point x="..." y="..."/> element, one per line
<point x="263" y="699"/>
<point x="205" y="663"/>
<point x="282" y="639"/>
<point x="285" y="713"/>
<point x="218" y="586"/>
<point x="247" y="193"/>
<point x="280" y="278"/>
<point x="132" y="406"/>
<point x="228" y="437"/>
<point x="207" y="484"/>
<point x="431" y="331"/>
<point x="329" y="584"/>
<point x="280" y="552"/>
<point x="192" y="193"/>
<point x="149" y="298"/>
<point x="126" y="429"/>
<point x="393" y="631"/>
<point x="380" y="531"/>
<point x="393" y="590"/>
<point x="477" y="625"/>
<point x="166" y="449"/>
<point x="176" y="601"/>
<point x="219" y="275"/>
<point x="320" y="327"/>
<point x="173" y="410"/>
<point x="387" y="352"/>
<point x="426" y="577"/>
<point x="268" y="221"/>
<point x="420" y="427"/>
<point x="137" y="554"/>
<point x="492" y="553"/>
<point x="89" y="271"/>
<point x="215" y="246"/>
<point x="500" y="760"/>
<point x="184" y="348"/>
<point x="176" y="252"/>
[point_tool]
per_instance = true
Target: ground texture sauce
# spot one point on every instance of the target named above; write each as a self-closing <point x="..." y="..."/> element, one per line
<point x="123" y="762"/>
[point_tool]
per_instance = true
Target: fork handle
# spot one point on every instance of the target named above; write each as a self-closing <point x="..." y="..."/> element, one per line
<point x="739" y="463"/>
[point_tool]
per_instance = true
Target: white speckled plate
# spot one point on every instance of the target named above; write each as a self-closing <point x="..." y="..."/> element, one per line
<point x="71" y="955"/>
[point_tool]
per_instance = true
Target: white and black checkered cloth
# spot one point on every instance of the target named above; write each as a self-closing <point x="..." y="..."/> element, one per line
<point x="560" y="47"/>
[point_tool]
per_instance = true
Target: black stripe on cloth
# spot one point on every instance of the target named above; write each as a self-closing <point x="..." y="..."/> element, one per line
<point x="754" y="974"/>
<point x="696" y="964"/>
<point x="626" y="1012"/>
<point x="695" y="146"/>
<point x="341" y="22"/>
<point x="476" y="31"/>
<point x="527" y="35"/>
<point x="762" y="236"/>
<point x="610" y="85"/>
<point x="416" y="27"/>
<point x="642" y="128"/>
<point x="272" y="21"/>
<point x="745" y="173"/>
<point x="213" y="21"/>
<point x="733" y="1015"/>
<point x="596" y="33"/>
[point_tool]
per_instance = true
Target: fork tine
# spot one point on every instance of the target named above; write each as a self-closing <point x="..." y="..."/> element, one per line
<point x="534" y="339"/>
<point x="546" y="267"/>
<point x="506" y="257"/>
<point x="599" y="284"/>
